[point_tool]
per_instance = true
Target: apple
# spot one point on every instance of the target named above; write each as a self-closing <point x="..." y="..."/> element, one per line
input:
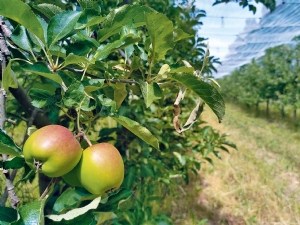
<point x="101" y="168"/>
<point x="53" y="149"/>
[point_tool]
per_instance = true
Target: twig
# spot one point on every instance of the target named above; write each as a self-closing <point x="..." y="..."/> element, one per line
<point x="48" y="188"/>
<point x="87" y="139"/>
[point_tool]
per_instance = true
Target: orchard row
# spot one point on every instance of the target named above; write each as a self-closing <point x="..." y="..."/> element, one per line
<point x="273" y="79"/>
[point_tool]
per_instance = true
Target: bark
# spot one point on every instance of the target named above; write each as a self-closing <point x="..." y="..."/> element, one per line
<point x="39" y="119"/>
<point x="268" y="109"/>
<point x="9" y="190"/>
<point x="282" y="111"/>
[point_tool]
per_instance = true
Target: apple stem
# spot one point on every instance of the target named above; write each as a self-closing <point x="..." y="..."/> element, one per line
<point x="49" y="187"/>
<point x="87" y="139"/>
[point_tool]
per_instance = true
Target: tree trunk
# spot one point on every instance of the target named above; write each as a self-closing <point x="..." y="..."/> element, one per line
<point x="257" y="108"/>
<point x="268" y="109"/>
<point x="295" y="113"/>
<point x="282" y="111"/>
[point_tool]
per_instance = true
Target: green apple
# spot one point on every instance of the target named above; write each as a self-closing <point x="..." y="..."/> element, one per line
<point x="53" y="149"/>
<point x="101" y="168"/>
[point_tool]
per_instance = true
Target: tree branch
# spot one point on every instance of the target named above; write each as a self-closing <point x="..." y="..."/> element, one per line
<point x="39" y="119"/>
<point x="4" y="52"/>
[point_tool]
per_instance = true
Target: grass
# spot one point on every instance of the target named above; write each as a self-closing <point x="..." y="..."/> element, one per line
<point x="258" y="184"/>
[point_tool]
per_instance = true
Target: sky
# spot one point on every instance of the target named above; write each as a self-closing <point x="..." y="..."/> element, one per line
<point x="223" y="23"/>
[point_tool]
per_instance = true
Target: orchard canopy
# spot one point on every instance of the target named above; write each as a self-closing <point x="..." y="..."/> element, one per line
<point x="132" y="75"/>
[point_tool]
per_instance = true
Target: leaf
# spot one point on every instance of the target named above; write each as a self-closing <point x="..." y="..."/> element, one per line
<point x="74" y="95"/>
<point x="71" y="198"/>
<point x="42" y="97"/>
<point x="20" y="38"/>
<point x="14" y="163"/>
<point x="120" y="93"/>
<point x="151" y="92"/>
<point x="164" y="69"/>
<point x="76" y="212"/>
<point x="208" y="93"/>
<point x="104" y="50"/>
<point x="140" y="131"/>
<point x="42" y="70"/>
<point x="114" y="201"/>
<point x="179" y="35"/>
<point x="49" y="10"/>
<point x="181" y="158"/>
<point x="9" y="78"/>
<point x="108" y="106"/>
<point x="61" y="25"/>
<point x="194" y="115"/>
<point x="20" y="12"/>
<point x="32" y="213"/>
<point x="122" y="16"/>
<point x="93" y="85"/>
<point x="7" y="215"/>
<point x="89" y="218"/>
<point x="160" y="29"/>
<point x="88" y="18"/>
<point x="183" y="69"/>
<point x="7" y="145"/>
<point x="177" y="109"/>
<point x="75" y="59"/>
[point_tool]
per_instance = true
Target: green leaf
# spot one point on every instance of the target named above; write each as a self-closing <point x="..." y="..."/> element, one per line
<point x="7" y="215"/>
<point x="208" y="93"/>
<point x="181" y="158"/>
<point x="122" y="16"/>
<point x="104" y="50"/>
<point x="94" y="21"/>
<point x="49" y="10"/>
<point x="114" y="201"/>
<point x="137" y="129"/>
<point x="94" y="85"/>
<point x="88" y="18"/>
<point x="61" y="25"/>
<point x="20" y="38"/>
<point x="71" y="198"/>
<point x="7" y="145"/>
<point x="9" y="78"/>
<point x="41" y="97"/>
<point x="151" y="92"/>
<point x="160" y="29"/>
<point x="42" y="70"/>
<point x="183" y="69"/>
<point x="74" y="95"/>
<point x="20" y="12"/>
<point x="120" y="93"/>
<point x="75" y="59"/>
<point x="76" y="212"/>
<point x="181" y="35"/>
<point x="14" y="163"/>
<point x="32" y="213"/>
<point x="108" y="106"/>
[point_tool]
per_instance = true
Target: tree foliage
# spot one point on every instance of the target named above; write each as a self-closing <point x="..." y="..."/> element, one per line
<point x="271" y="79"/>
<point x="115" y="72"/>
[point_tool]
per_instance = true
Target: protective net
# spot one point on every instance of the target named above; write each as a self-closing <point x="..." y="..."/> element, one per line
<point x="275" y="28"/>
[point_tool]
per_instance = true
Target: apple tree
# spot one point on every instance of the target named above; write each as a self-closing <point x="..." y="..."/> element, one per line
<point x="114" y="74"/>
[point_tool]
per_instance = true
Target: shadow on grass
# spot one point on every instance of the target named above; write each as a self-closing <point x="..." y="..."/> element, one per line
<point x="274" y="115"/>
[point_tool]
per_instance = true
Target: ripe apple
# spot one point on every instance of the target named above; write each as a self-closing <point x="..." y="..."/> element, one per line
<point x="101" y="168"/>
<point x="53" y="149"/>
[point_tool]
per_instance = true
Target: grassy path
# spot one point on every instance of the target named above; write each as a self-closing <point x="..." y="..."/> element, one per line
<point x="260" y="183"/>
